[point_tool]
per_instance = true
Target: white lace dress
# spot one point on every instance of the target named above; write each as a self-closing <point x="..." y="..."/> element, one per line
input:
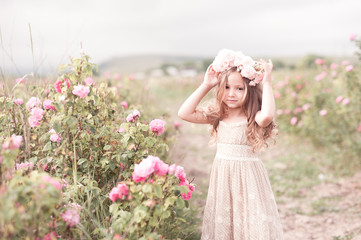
<point x="240" y="202"/>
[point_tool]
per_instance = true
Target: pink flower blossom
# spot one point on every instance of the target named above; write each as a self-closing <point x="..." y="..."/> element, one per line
<point x="161" y="168"/>
<point x="37" y="113"/>
<point x="320" y="76"/>
<point x="323" y="112"/>
<point x="298" y="77"/>
<point x="172" y="169"/>
<point x="299" y="86"/>
<point x="58" y="85"/>
<point x="144" y="169"/>
<point x="13" y="142"/>
<point x="333" y="66"/>
<point x="339" y="99"/>
<point x="89" y="81"/>
<point x="124" y="104"/>
<point x="306" y="106"/>
<point x="120" y="130"/>
<point x="297" y="110"/>
<point x="319" y="61"/>
<point x="345" y="62"/>
<point x="25" y="165"/>
<point x="249" y="72"/>
<point x="277" y="95"/>
<point x="345" y="101"/>
<point x="19" y="80"/>
<point x="157" y="126"/>
<point x="33" y="102"/>
<point x="19" y="101"/>
<point x="359" y="128"/>
<point x="50" y="236"/>
<point x="118" y="192"/>
<point x="352" y="36"/>
<point x="279" y="111"/>
<point x="224" y="60"/>
<point x="133" y="116"/>
<point x="349" y="68"/>
<point x="81" y="91"/>
<point x="55" y="138"/>
<point x="177" y="124"/>
<point x="188" y="195"/>
<point x="287" y="111"/>
<point x="33" y="122"/>
<point x="293" y="121"/>
<point x="334" y="74"/>
<point x="179" y="173"/>
<point x="47" y="105"/>
<point x="54" y="182"/>
<point x="71" y="217"/>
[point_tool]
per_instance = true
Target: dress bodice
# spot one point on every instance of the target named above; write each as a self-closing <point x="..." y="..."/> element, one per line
<point x="232" y="133"/>
<point x="232" y="142"/>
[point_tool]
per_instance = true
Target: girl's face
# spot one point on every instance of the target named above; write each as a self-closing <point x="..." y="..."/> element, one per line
<point x="234" y="90"/>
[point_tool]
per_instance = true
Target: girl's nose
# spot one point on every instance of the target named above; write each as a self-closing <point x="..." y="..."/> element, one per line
<point x="231" y="92"/>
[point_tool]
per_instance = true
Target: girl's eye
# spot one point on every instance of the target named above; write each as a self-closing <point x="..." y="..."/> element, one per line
<point x="240" y="88"/>
<point x="227" y="87"/>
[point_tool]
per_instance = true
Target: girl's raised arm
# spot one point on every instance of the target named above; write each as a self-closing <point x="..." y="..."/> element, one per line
<point x="188" y="110"/>
<point x="265" y="116"/>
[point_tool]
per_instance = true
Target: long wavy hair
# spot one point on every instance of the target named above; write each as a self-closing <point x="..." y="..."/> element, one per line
<point x="251" y="104"/>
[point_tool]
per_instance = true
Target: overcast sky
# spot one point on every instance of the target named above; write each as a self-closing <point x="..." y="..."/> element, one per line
<point x="112" y="28"/>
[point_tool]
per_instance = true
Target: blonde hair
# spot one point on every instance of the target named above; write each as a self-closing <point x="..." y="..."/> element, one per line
<point x="251" y="104"/>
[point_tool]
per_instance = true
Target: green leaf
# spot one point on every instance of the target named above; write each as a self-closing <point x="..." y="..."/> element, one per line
<point x="107" y="147"/>
<point x="147" y="188"/>
<point x="57" y="127"/>
<point x="47" y="147"/>
<point x="158" y="190"/>
<point x="180" y="203"/>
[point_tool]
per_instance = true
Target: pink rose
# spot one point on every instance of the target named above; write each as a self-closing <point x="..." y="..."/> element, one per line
<point x="352" y="37"/>
<point x="188" y="195"/>
<point x="279" y="111"/>
<point x="249" y="72"/>
<point x="12" y="143"/>
<point x="71" y="217"/>
<point x="33" y="122"/>
<point x="277" y="95"/>
<point x="172" y="169"/>
<point x="306" y="106"/>
<point x="120" y="130"/>
<point x="247" y="61"/>
<point x="339" y="99"/>
<point x="89" y="81"/>
<point x="55" y="138"/>
<point x="25" y="165"/>
<point x="287" y="111"/>
<point x="47" y="105"/>
<point x="177" y="124"/>
<point x="333" y="66"/>
<point x="346" y="101"/>
<point x="323" y="112"/>
<point x="133" y="116"/>
<point x="37" y="113"/>
<point x="19" y="80"/>
<point x="118" y="192"/>
<point x="81" y="91"/>
<point x="19" y="101"/>
<point x="33" y="102"/>
<point x="50" y="236"/>
<point x="144" y="169"/>
<point x="157" y="126"/>
<point x="124" y="104"/>
<point x="224" y="60"/>
<point x="345" y="62"/>
<point x="161" y="168"/>
<point x="293" y="121"/>
<point x="349" y="68"/>
<point x="359" y="128"/>
<point x="58" y="85"/>
<point x="320" y="76"/>
<point x="53" y="181"/>
<point x="179" y="173"/>
<point x="319" y="61"/>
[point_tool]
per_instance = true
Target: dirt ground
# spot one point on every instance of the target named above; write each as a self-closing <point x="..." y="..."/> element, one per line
<point x="330" y="209"/>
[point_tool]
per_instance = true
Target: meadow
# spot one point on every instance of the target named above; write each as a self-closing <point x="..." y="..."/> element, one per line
<point x="89" y="156"/>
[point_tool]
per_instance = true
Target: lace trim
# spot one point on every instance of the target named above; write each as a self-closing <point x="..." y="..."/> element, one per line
<point x="234" y="124"/>
<point x="236" y="152"/>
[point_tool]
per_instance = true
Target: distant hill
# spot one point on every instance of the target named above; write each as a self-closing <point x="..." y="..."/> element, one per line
<point x="141" y="63"/>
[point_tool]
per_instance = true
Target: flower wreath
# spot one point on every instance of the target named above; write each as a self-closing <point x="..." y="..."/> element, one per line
<point x="247" y="67"/>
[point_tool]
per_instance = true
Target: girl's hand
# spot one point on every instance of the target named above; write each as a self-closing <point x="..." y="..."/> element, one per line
<point x="211" y="77"/>
<point x="267" y="67"/>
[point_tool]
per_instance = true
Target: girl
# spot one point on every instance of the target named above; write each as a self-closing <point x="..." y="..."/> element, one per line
<point x="240" y="202"/>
